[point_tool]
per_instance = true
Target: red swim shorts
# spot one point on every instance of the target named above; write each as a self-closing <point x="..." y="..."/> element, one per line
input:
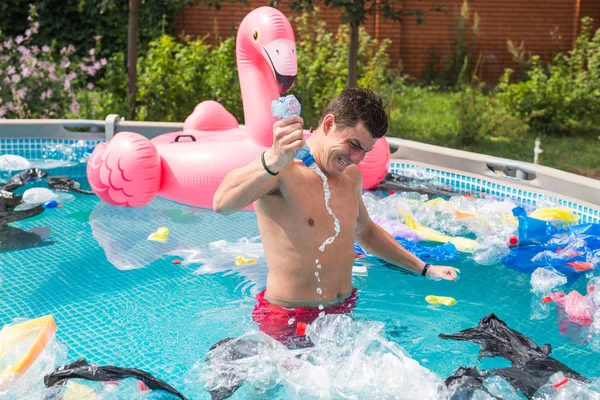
<point x="282" y="323"/>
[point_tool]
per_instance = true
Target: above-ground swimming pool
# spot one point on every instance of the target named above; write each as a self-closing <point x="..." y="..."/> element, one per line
<point x="119" y="299"/>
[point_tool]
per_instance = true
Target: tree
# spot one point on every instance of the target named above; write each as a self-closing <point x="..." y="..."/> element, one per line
<point x="355" y="12"/>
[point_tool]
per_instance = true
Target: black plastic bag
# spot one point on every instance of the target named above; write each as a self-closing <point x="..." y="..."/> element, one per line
<point x="531" y="364"/>
<point x="80" y="369"/>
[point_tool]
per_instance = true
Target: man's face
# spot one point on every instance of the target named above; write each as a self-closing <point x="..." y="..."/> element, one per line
<point x="345" y="146"/>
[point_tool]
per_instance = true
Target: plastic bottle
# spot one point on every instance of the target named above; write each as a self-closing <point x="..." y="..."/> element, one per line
<point x="559" y="387"/>
<point x="290" y="106"/>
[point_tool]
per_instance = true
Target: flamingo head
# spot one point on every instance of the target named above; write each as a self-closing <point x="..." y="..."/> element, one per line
<point x="266" y="35"/>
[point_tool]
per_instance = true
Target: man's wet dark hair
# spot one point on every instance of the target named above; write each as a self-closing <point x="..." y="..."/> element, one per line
<point x="356" y="105"/>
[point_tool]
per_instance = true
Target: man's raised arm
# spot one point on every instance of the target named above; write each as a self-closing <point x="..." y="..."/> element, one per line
<point x="243" y="186"/>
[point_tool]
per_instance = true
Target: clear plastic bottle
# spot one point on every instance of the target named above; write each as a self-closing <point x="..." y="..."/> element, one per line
<point x="559" y="387"/>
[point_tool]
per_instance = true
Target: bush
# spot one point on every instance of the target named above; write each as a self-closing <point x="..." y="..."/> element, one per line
<point x="171" y="79"/>
<point x="76" y="22"/>
<point x="563" y="98"/>
<point x="480" y="116"/>
<point x="41" y="82"/>
<point x="175" y="76"/>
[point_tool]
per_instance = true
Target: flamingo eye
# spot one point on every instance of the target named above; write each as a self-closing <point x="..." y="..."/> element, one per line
<point x="255" y="35"/>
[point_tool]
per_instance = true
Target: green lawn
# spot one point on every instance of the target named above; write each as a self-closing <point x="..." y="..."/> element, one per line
<point x="430" y="116"/>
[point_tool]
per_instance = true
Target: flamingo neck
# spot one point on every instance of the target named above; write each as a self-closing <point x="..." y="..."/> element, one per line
<point x="257" y="83"/>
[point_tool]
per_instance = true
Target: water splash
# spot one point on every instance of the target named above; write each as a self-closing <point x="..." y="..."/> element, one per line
<point x="336" y="222"/>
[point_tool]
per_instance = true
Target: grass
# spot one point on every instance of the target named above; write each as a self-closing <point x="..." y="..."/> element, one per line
<point x="430" y="116"/>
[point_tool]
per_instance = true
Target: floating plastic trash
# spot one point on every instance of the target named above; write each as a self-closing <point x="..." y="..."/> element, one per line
<point x="11" y="162"/>
<point x="531" y="364"/>
<point x="161" y="235"/>
<point x="21" y="344"/>
<point x="440" y="300"/>
<point x="425" y="233"/>
<point x="240" y="260"/>
<point x="50" y="204"/>
<point x="555" y="214"/>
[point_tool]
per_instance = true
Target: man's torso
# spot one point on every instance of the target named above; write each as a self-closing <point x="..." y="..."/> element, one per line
<point x="294" y="223"/>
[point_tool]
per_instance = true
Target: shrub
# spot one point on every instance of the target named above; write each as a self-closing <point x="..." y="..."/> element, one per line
<point x="563" y="98"/>
<point x="76" y="22"/>
<point x="41" y="82"/>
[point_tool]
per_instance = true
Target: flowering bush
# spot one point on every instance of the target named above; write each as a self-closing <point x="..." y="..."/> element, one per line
<point x="41" y="82"/>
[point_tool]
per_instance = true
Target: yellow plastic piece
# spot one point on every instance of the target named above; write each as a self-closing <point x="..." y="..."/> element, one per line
<point x="436" y="201"/>
<point x="440" y="300"/>
<point x="239" y="260"/>
<point x="77" y="391"/>
<point x="553" y="214"/>
<point x="22" y="344"/>
<point x="462" y="244"/>
<point x="161" y="235"/>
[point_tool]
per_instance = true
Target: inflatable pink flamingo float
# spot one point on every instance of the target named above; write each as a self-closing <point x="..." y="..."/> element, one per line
<point x="188" y="166"/>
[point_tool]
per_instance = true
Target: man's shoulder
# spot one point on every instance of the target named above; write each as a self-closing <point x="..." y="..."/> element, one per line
<point x="353" y="172"/>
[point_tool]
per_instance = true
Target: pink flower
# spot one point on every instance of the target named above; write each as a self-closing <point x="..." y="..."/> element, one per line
<point x="8" y="45"/>
<point x="74" y="107"/>
<point x="63" y="50"/>
<point x="67" y="84"/>
<point x="6" y="80"/>
<point x="71" y="76"/>
<point x="0" y="100"/>
<point x="16" y="78"/>
<point x="10" y="70"/>
<point x="27" y="33"/>
<point x="43" y="96"/>
<point x="45" y="48"/>
<point x="19" y="39"/>
<point x="25" y="71"/>
<point x="97" y="66"/>
<point x="90" y="86"/>
<point x="65" y="63"/>
<point x="36" y="26"/>
<point x="97" y="37"/>
<point x="103" y="61"/>
<point x="35" y="49"/>
<point x="71" y="48"/>
<point x="92" y="51"/>
<point x="10" y="106"/>
<point x="54" y="106"/>
<point x="48" y="93"/>
<point x="22" y="93"/>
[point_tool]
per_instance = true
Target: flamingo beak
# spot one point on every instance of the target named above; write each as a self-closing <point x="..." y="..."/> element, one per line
<point x="281" y="56"/>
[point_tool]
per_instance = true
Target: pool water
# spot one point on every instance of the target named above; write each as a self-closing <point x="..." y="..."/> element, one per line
<point x="164" y="317"/>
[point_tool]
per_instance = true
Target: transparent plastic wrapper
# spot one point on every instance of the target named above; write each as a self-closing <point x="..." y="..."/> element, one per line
<point x="490" y="251"/>
<point x="349" y="359"/>
<point x="543" y="280"/>
<point x="223" y="256"/>
<point x="559" y="387"/>
<point x="36" y="196"/>
<point x="501" y="388"/>
<point x="30" y="384"/>
<point x="11" y="162"/>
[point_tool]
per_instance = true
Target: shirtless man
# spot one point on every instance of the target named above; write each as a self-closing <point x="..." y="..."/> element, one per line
<point x="294" y="223"/>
